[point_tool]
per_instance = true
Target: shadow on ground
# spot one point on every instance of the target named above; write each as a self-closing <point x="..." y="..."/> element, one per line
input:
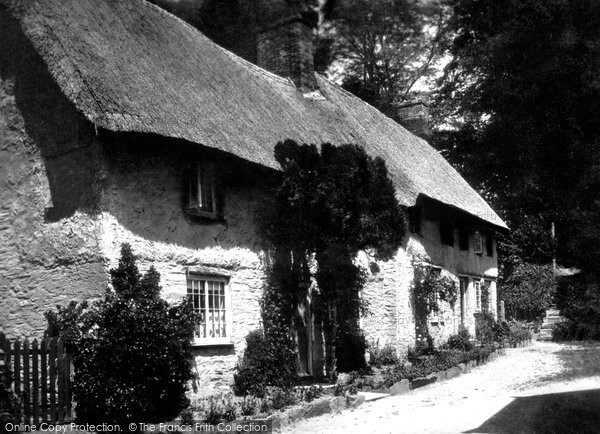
<point x="568" y="412"/>
<point x="578" y="359"/>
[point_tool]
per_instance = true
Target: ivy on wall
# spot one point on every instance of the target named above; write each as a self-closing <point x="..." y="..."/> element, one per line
<point x="430" y="287"/>
<point x="330" y="204"/>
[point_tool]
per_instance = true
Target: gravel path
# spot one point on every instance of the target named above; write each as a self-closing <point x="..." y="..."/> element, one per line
<point x="546" y="387"/>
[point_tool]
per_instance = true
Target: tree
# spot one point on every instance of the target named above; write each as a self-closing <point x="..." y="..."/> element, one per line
<point x="385" y="46"/>
<point x="518" y="114"/>
<point x="328" y="206"/>
<point x="132" y="350"/>
<point x="527" y="292"/>
<point x="518" y="106"/>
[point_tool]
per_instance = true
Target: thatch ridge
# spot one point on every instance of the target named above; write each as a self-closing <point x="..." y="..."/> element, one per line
<point x="130" y="66"/>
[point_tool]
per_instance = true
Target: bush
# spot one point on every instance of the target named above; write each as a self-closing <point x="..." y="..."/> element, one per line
<point x="249" y="405"/>
<point x="218" y="409"/>
<point x="487" y="330"/>
<point x="309" y="394"/>
<point x="527" y="291"/>
<point x="382" y="356"/>
<point x="270" y="356"/>
<point x="439" y="360"/>
<point x="10" y="406"/>
<point x="518" y="332"/>
<point x="133" y="350"/>
<point x="350" y="348"/>
<point x="460" y="341"/>
<point x="281" y="398"/>
<point x="578" y="299"/>
<point x="266" y="362"/>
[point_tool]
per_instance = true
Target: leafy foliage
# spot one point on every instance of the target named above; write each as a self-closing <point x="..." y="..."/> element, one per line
<point x="460" y="341"/>
<point x="380" y="356"/>
<point x="439" y="360"/>
<point x="519" y="116"/>
<point x="528" y="291"/>
<point x="330" y="205"/>
<point x="487" y="330"/>
<point x="430" y="287"/>
<point x="386" y="46"/>
<point x="578" y="299"/>
<point x="132" y="349"/>
<point x="267" y="361"/>
<point x="10" y="405"/>
<point x="518" y="332"/>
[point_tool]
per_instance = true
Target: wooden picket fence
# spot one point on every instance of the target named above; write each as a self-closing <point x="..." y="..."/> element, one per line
<point x="41" y="374"/>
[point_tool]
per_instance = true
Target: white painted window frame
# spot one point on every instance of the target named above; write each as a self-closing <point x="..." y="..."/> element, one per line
<point x="477" y="291"/>
<point x="208" y="341"/>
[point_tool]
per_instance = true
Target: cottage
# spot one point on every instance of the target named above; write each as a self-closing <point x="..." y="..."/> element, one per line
<point x="121" y="123"/>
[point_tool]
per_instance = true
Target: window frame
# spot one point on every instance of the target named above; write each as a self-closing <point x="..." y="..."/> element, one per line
<point x="477" y="291"/>
<point x="478" y="243"/>
<point x="489" y="245"/>
<point x="446" y="233"/>
<point x="463" y="239"/>
<point x="201" y="173"/>
<point x="208" y="341"/>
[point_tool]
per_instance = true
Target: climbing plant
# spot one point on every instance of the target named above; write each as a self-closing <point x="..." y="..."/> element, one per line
<point x="429" y="288"/>
<point x="329" y="204"/>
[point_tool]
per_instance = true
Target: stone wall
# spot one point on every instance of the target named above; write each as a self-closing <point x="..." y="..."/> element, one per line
<point x="388" y="292"/>
<point x="49" y="184"/>
<point x="142" y="206"/>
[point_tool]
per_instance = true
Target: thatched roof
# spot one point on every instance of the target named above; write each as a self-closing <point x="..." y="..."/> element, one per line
<point x="129" y="66"/>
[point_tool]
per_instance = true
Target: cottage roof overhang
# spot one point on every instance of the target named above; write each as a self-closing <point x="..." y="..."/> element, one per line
<point x="129" y="66"/>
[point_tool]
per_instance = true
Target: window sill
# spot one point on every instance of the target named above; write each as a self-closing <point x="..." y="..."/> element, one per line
<point x="198" y="218"/>
<point x="216" y="343"/>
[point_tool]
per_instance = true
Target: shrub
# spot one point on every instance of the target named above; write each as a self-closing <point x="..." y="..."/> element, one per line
<point x="527" y="291"/>
<point x="282" y="398"/>
<point x="487" y="330"/>
<point x="265" y="405"/>
<point x="270" y="355"/>
<point x="133" y="350"/>
<point x="518" y="332"/>
<point x="10" y="406"/>
<point x="578" y="299"/>
<point x="249" y="405"/>
<point x="460" y="341"/>
<point x="311" y="393"/>
<point x="266" y="362"/>
<point x="350" y="348"/>
<point x="217" y="409"/>
<point x="382" y="356"/>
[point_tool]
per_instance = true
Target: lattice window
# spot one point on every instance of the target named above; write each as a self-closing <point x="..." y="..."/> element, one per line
<point x="477" y="285"/>
<point x="210" y="297"/>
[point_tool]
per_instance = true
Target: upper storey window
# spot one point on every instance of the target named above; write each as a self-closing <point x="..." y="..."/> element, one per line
<point x="489" y="245"/>
<point x="447" y="233"/>
<point x="200" y="190"/>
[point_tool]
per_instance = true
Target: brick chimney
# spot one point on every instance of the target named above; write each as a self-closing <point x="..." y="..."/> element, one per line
<point x="286" y="49"/>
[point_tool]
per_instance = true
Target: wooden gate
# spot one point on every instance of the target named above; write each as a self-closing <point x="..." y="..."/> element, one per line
<point x="41" y="373"/>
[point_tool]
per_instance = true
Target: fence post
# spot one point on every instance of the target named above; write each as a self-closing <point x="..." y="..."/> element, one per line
<point x="17" y="370"/>
<point x="44" y="379"/>
<point x="60" y="356"/>
<point x="26" y="386"/>
<point x="35" y="372"/>
<point x="52" y="367"/>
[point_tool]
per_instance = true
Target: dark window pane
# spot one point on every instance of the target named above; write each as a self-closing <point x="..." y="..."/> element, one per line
<point x="463" y="239"/>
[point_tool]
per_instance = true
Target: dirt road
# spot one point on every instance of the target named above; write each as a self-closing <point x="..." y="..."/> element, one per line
<point x="544" y="388"/>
